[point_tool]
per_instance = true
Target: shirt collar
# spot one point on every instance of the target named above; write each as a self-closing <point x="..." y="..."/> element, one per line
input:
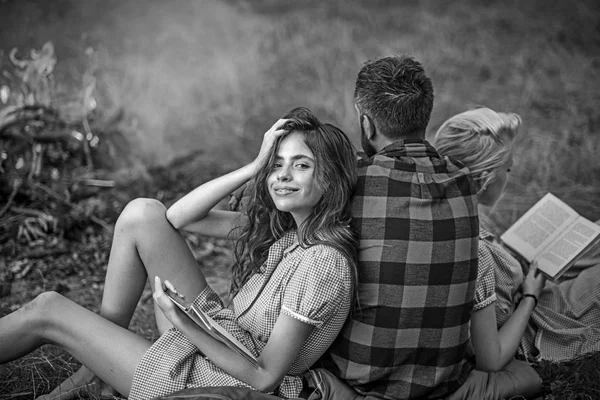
<point x="483" y="234"/>
<point x="292" y="246"/>
<point x="285" y="245"/>
<point x="413" y="147"/>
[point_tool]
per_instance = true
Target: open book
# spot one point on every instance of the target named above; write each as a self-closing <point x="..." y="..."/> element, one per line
<point x="553" y="234"/>
<point x="212" y="327"/>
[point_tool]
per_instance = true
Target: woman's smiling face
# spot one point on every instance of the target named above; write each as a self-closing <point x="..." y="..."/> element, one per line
<point x="292" y="182"/>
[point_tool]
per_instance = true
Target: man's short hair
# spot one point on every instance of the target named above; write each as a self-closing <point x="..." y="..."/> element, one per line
<point x="396" y="94"/>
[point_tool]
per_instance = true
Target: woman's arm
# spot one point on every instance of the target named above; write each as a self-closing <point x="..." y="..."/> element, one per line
<point x="284" y="344"/>
<point x="194" y="211"/>
<point x="495" y="348"/>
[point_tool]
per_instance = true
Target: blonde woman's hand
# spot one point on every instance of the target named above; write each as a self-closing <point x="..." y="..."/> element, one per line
<point x="269" y="140"/>
<point x="534" y="281"/>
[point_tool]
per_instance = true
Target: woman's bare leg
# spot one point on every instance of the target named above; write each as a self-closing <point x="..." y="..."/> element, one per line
<point x="144" y="245"/>
<point x="109" y="350"/>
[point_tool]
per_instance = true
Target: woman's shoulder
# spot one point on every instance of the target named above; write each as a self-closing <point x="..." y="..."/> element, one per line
<point x="485" y="257"/>
<point x="485" y="292"/>
<point x="325" y="261"/>
<point x="486" y="242"/>
<point x="493" y="251"/>
<point x="327" y="252"/>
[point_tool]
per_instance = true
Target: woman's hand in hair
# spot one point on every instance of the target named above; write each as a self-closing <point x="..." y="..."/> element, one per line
<point x="196" y="210"/>
<point x="269" y="140"/>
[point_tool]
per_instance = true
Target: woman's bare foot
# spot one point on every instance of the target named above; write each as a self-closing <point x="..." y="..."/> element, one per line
<point x="81" y="382"/>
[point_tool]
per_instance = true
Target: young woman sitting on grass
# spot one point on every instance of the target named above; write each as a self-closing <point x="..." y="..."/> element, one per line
<point x="293" y="278"/>
<point x="516" y="309"/>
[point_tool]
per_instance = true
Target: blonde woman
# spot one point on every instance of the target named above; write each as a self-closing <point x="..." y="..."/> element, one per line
<point x="516" y="309"/>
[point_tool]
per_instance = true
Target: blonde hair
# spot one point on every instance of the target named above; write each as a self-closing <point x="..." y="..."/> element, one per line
<point x="480" y="138"/>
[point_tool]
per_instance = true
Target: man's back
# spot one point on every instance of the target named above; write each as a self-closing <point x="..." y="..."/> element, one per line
<point x="416" y="216"/>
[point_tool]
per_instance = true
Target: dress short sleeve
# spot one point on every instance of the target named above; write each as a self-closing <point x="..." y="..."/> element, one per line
<point x="319" y="287"/>
<point x="485" y="292"/>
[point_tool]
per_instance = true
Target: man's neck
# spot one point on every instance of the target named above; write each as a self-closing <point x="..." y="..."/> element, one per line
<point x="382" y="143"/>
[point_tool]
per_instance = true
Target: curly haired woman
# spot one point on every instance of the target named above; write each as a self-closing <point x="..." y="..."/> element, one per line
<point x="293" y="278"/>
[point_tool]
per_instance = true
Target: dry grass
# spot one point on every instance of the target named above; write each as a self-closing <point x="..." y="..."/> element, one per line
<point x="36" y="374"/>
<point x="577" y="379"/>
<point x="212" y="76"/>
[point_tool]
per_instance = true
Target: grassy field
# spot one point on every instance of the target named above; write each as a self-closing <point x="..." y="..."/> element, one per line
<point x="214" y="75"/>
<point x="211" y="76"/>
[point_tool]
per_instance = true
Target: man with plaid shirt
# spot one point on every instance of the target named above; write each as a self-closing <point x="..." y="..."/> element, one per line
<point x="416" y="216"/>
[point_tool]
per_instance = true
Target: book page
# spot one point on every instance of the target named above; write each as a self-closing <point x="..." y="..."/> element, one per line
<point x="567" y="247"/>
<point x="541" y="224"/>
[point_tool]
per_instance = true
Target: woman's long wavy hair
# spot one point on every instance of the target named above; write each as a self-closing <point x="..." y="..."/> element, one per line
<point x="329" y="223"/>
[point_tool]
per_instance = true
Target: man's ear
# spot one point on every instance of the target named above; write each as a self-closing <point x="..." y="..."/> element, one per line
<point x="367" y="126"/>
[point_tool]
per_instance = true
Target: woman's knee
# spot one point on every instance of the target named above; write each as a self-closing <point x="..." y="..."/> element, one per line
<point x="142" y="212"/>
<point x="46" y="300"/>
<point x="44" y="308"/>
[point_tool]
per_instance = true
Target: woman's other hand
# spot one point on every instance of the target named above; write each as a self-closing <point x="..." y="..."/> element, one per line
<point x="269" y="140"/>
<point x="169" y="309"/>
<point x="534" y="281"/>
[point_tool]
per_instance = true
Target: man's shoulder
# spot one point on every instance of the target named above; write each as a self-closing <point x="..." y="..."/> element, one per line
<point x="402" y="177"/>
<point x="402" y="163"/>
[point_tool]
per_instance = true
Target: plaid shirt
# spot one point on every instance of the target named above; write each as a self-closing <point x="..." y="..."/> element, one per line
<point x="416" y="216"/>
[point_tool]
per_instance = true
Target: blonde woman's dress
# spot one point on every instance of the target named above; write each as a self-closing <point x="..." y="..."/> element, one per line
<point x="566" y="322"/>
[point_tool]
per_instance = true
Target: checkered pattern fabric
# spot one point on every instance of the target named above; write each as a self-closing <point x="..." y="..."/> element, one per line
<point x="508" y="274"/>
<point x="311" y="284"/>
<point x="416" y="215"/>
<point x="485" y="291"/>
<point x="566" y="322"/>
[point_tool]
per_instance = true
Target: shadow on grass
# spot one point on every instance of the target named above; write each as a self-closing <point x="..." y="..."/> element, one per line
<point x="47" y="367"/>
